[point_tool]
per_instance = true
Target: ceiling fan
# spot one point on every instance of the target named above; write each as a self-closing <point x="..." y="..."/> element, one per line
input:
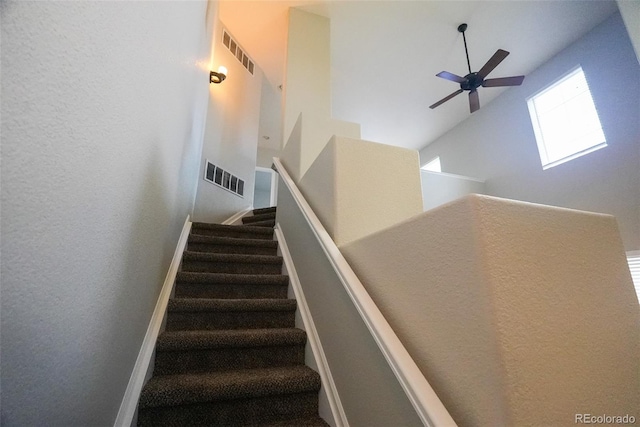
<point x="472" y="81"/>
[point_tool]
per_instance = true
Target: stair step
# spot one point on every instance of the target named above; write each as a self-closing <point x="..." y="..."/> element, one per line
<point x="260" y="217"/>
<point x="180" y="352"/>
<point x="298" y="422"/>
<point x="215" y="314"/>
<point x="237" y="231"/>
<point x="231" y="263"/>
<point x="231" y="245"/>
<point x="244" y="397"/>
<point x="260" y="211"/>
<point x="265" y="223"/>
<point x="231" y="286"/>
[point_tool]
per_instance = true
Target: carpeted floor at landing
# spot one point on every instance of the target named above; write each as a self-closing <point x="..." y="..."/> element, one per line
<point x="230" y="354"/>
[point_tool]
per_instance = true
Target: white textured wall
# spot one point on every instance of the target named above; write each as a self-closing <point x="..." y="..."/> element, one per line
<point x="497" y="143"/>
<point x="359" y="187"/>
<point x="307" y="86"/>
<point x="231" y="136"/>
<point x="630" y="11"/>
<point x="103" y="110"/>
<point x="517" y="314"/>
<point x="307" y="93"/>
<point x="440" y="188"/>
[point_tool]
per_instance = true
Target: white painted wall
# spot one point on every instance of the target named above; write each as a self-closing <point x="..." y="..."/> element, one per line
<point x="517" y="314"/>
<point x="439" y="188"/>
<point x="265" y="157"/>
<point x="630" y="11"/>
<point x="103" y="113"/>
<point x="270" y="125"/>
<point x="307" y="93"/>
<point x="231" y="135"/>
<point x="497" y="143"/>
<point x="308" y="69"/>
<point x="359" y="187"/>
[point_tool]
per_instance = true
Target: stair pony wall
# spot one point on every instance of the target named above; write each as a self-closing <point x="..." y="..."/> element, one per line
<point x="517" y="314"/>
<point x="359" y="187"/>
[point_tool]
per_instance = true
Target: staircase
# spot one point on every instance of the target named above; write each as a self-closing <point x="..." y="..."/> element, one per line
<point x="230" y="354"/>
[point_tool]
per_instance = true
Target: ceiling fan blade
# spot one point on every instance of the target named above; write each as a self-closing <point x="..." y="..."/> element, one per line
<point x="504" y="81"/>
<point x="474" y="101"/>
<point x="449" y="76"/>
<point x="445" y="99"/>
<point x="492" y="63"/>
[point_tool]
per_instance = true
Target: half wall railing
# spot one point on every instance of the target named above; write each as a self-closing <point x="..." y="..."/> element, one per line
<point x="428" y="407"/>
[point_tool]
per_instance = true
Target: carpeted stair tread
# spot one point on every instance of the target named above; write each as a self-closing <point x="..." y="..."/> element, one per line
<point x="298" y="422"/>
<point x="231" y="258"/>
<point x="230" y="278"/>
<point x="260" y="211"/>
<point x="231" y="286"/>
<point x="166" y="390"/>
<point x="231" y="245"/>
<point x="247" y="220"/>
<point x="265" y="223"/>
<point x="236" y="231"/>
<point x="230" y="353"/>
<point x="231" y="241"/>
<point x="197" y="340"/>
<point x="226" y="305"/>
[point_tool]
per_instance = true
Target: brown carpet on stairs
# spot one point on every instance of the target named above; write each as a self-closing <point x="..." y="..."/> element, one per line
<point x="230" y="354"/>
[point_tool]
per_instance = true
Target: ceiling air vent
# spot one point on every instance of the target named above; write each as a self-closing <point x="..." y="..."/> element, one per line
<point x="222" y="178"/>
<point x="237" y="51"/>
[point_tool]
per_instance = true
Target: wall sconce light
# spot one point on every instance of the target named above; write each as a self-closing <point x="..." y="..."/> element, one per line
<point x="218" y="77"/>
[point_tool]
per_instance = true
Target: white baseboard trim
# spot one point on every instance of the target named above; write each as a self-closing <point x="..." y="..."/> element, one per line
<point x="236" y="217"/>
<point x="136" y="381"/>
<point x="326" y="378"/>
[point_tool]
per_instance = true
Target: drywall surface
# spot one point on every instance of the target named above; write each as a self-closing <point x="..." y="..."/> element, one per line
<point x="497" y="143"/>
<point x="630" y="11"/>
<point x="517" y="314"/>
<point x="270" y="124"/>
<point x="440" y="188"/>
<point x="307" y="86"/>
<point x="231" y="135"/>
<point x="358" y="187"/>
<point x="265" y="156"/>
<point x="368" y="389"/>
<point x="292" y="151"/>
<point x="307" y="93"/>
<point x="103" y="111"/>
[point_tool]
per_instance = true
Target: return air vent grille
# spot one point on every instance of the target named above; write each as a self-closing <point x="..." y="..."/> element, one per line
<point x="224" y="179"/>
<point x="237" y="51"/>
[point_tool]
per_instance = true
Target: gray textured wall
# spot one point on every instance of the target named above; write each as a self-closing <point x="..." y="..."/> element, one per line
<point x="103" y="109"/>
<point x="369" y="391"/>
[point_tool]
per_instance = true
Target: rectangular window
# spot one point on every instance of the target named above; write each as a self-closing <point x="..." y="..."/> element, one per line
<point x="633" y="258"/>
<point x="433" y="165"/>
<point x="565" y="120"/>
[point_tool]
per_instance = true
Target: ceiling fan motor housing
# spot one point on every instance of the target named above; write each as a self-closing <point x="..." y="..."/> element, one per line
<point x="471" y="81"/>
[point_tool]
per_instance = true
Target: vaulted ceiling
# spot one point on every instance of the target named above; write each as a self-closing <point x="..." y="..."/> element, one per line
<point x="385" y="54"/>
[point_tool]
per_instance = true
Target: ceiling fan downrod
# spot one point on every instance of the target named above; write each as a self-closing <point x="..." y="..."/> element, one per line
<point x="462" y="28"/>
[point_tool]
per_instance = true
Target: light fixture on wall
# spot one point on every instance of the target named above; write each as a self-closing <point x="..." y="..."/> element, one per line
<point x="218" y="77"/>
